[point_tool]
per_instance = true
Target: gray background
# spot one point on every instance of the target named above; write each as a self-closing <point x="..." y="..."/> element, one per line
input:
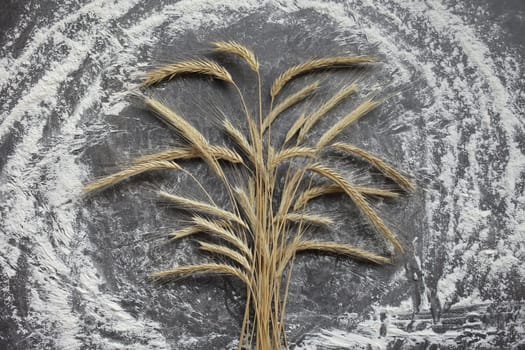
<point x="73" y="270"/>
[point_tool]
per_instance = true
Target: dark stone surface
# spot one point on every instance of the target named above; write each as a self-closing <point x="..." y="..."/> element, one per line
<point x="73" y="270"/>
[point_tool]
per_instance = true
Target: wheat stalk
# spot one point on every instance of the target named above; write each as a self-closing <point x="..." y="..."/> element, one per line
<point x="200" y="66"/>
<point x="316" y="64"/>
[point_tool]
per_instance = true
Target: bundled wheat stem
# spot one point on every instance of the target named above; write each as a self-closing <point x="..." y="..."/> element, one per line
<point x="258" y="238"/>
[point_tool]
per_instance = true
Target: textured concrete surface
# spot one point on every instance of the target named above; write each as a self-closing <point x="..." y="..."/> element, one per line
<point x="73" y="271"/>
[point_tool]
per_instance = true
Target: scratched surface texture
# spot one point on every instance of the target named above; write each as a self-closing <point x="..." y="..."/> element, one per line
<point x="73" y="270"/>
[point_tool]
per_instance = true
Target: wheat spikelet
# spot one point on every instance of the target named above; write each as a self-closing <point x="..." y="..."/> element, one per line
<point x="214" y="227"/>
<point x="359" y="200"/>
<point x="316" y="64"/>
<point x="317" y="191"/>
<point x="234" y="48"/>
<point x="342" y="249"/>
<point x="126" y="173"/>
<point x="314" y="117"/>
<point x="386" y="169"/>
<point x="289" y="102"/>
<point x="291" y="152"/>
<point x="190" y="152"/>
<point x="200" y="66"/>
<point x="202" y="207"/>
<point x="184" y="271"/>
<point x="357" y="113"/>
<point x="227" y="252"/>
<point x="309" y="219"/>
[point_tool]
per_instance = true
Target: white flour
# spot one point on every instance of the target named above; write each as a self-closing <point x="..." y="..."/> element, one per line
<point x="469" y="87"/>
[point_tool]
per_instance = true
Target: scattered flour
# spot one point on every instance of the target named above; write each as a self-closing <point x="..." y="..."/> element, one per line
<point x="457" y="68"/>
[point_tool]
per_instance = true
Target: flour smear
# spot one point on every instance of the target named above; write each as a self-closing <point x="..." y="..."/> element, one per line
<point x="460" y="107"/>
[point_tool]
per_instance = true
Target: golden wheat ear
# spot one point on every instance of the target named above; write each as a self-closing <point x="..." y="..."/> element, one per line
<point x="226" y="252"/>
<point x="310" y="219"/>
<point x="237" y="49"/>
<point x="317" y="64"/>
<point x="187" y="131"/>
<point x="386" y="169"/>
<point x="359" y="201"/>
<point x="185" y="271"/>
<point x="318" y="191"/>
<point x="289" y="102"/>
<point x="217" y="152"/>
<point x="202" y="207"/>
<point x="341" y="249"/>
<point x="129" y="172"/>
<point x="291" y="152"/>
<point x="199" y="66"/>
<point x="326" y="107"/>
<point x="350" y="118"/>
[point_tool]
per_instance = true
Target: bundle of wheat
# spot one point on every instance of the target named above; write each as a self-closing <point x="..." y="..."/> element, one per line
<point x="261" y="241"/>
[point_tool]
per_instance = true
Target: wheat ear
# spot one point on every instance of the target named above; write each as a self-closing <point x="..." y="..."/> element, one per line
<point x="202" y="207"/>
<point x="191" y="152"/>
<point x="237" y="136"/>
<point x="342" y="249"/>
<point x="290" y="152"/>
<point x="185" y="232"/>
<point x="199" y="66"/>
<point x="309" y="219"/>
<point x="316" y="64"/>
<point x="386" y="169"/>
<point x="215" y="228"/>
<point x="314" y="117"/>
<point x="317" y="191"/>
<point x="131" y="171"/>
<point x="289" y="102"/>
<point x="247" y="206"/>
<point x="296" y="126"/>
<point x="227" y="252"/>
<point x="359" y="200"/>
<point x="235" y="48"/>
<point x="184" y="271"/>
<point x="351" y="117"/>
<point x="191" y="134"/>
